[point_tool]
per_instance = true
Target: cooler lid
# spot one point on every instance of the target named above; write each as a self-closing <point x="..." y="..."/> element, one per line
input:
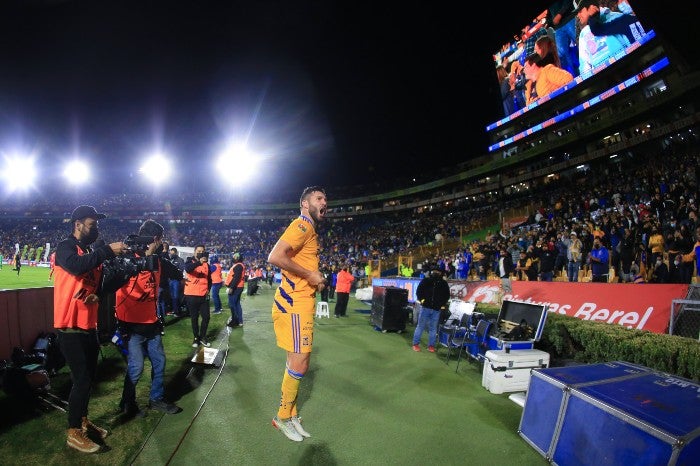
<point x="515" y="312"/>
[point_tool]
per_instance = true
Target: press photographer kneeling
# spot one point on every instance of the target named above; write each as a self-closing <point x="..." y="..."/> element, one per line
<point x="136" y="299"/>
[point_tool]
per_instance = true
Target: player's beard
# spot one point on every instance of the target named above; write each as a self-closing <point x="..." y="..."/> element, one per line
<point x="315" y="214"/>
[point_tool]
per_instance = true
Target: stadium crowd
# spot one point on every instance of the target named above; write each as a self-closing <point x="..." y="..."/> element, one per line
<point x="639" y="211"/>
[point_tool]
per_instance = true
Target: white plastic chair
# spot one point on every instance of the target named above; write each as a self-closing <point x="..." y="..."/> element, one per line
<point x="322" y="309"/>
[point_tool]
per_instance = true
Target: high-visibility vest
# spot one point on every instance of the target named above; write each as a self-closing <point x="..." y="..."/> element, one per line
<point x="230" y="274"/>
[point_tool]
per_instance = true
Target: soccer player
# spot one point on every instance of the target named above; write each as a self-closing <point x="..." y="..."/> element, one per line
<point x="296" y="253"/>
<point x="52" y="264"/>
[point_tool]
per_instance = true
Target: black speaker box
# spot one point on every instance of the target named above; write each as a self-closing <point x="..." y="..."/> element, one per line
<point x="388" y="308"/>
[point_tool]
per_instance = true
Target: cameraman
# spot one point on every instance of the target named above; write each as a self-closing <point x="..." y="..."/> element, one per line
<point x="197" y="286"/>
<point x="139" y="323"/>
<point x="78" y="273"/>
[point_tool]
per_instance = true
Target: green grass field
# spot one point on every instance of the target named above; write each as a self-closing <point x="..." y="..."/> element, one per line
<point x="29" y="277"/>
<point x="367" y="399"/>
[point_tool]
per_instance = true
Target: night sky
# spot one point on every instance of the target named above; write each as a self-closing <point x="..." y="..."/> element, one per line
<point x="332" y="93"/>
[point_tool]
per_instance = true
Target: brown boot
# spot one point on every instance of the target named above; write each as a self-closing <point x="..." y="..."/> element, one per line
<point x="78" y="440"/>
<point x="88" y="427"/>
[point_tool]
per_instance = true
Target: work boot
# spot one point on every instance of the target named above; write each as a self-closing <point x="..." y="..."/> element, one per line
<point x="79" y="441"/>
<point x="88" y="427"/>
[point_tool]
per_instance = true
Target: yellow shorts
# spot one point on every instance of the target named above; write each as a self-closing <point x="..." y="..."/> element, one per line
<point x="294" y="332"/>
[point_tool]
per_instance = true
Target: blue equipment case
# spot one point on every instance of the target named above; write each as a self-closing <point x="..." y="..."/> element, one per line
<point x="513" y="313"/>
<point x="614" y="413"/>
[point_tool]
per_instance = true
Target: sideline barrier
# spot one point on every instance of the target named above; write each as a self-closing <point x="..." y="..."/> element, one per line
<point x="23" y="315"/>
<point x="644" y="307"/>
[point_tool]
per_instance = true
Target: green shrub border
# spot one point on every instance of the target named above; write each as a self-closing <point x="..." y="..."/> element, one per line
<point x="569" y="338"/>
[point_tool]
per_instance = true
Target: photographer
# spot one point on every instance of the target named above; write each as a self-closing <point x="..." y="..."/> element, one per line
<point x="78" y="273"/>
<point x="139" y="324"/>
<point x="197" y="286"/>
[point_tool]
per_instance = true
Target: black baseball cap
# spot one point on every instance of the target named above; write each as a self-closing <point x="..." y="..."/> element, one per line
<point x="585" y="4"/>
<point x="85" y="211"/>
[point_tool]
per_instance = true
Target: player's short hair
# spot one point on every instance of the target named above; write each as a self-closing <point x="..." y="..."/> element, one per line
<point x="308" y="191"/>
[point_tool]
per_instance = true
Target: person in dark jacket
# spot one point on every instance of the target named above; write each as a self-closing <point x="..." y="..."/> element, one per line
<point x="433" y="293"/>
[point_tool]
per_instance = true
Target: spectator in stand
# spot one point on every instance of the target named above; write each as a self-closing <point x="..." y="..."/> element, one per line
<point x="694" y="255"/>
<point x="659" y="273"/>
<point x="656" y="244"/>
<point x="547" y="49"/>
<point x="481" y="264"/>
<point x="603" y="34"/>
<point x="523" y="266"/>
<point x="616" y="235"/>
<point x="343" y="285"/>
<point x="599" y="259"/>
<point x="534" y="253"/>
<point x="637" y="275"/>
<point x="543" y="79"/>
<point x="216" y="283"/>
<point x="627" y="255"/>
<point x="504" y="86"/>
<point x="547" y="260"/>
<point x="676" y="246"/>
<point x="505" y="269"/>
<point x="462" y="268"/>
<point x="562" y="18"/>
<point x="573" y="255"/>
<point x="468" y="258"/>
<point x="516" y="81"/>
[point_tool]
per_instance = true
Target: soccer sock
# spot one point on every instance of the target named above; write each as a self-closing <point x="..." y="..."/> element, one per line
<point x="290" y="389"/>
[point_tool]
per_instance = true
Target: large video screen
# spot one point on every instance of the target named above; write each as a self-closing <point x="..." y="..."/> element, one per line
<point x="575" y="40"/>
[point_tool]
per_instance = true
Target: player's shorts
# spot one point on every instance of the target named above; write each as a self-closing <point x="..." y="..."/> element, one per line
<point x="294" y="329"/>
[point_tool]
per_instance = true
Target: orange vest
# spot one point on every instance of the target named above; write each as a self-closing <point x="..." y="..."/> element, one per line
<point x="136" y="301"/>
<point x="196" y="283"/>
<point x="229" y="276"/>
<point x="69" y="293"/>
<point x="216" y="274"/>
<point x="344" y="282"/>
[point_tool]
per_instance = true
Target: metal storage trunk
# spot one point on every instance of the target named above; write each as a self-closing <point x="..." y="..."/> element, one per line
<point x="612" y="414"/>
<point x="530" y="317"/>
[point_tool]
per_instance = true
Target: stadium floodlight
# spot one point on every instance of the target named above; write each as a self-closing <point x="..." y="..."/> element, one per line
<point x="77" y="173"/>
<point x="239" y="160"/>
<point x="18" y="173"/>
<point x="157" y="168"/>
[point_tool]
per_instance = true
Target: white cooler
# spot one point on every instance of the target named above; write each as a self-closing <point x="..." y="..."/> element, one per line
<point x="510" y="372"/>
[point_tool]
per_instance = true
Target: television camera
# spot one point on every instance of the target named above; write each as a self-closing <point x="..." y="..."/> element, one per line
<point x="129" y="264"/>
